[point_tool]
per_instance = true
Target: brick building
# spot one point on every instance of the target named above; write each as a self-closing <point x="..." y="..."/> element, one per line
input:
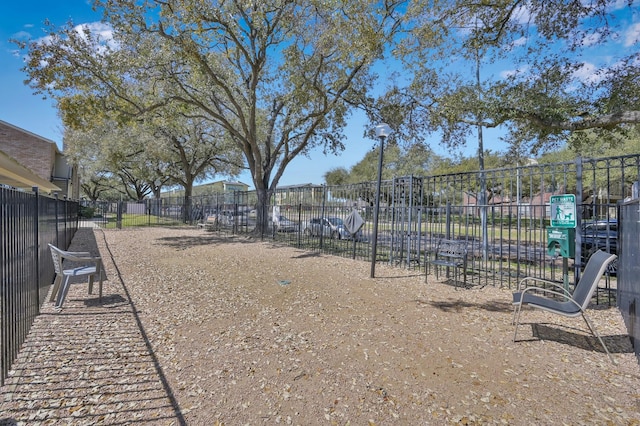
<point x="39" y="156"/>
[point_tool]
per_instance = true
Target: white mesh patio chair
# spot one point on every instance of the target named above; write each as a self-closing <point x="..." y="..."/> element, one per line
<point x="84" y="264"/>
<point x="560" y="301"/>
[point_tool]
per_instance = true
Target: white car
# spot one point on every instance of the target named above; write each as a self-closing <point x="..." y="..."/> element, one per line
<point x="332" y="227"/>
<point x="283" y="224"/>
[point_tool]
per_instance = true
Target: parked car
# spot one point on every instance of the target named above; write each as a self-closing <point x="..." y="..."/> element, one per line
<point x="283" y="224"/>
<point x="332" y="227"/>
<point x="599" y="235"/>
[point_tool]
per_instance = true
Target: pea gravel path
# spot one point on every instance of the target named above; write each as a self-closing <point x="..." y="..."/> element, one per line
<point x="202" y="329"/>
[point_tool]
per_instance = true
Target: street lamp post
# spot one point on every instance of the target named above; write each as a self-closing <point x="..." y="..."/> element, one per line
<point x="382" y="131"/>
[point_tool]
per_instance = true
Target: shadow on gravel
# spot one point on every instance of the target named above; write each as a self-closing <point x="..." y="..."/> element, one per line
<point x="619" y="343"/>
<point x="460" y="305"/>
<point x="185" y="242"/>
<point x="91" y="363"/>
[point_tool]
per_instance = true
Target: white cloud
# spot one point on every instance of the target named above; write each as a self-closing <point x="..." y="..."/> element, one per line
<point x="589" y="73"/>
<point x="514" y="72"/>
<point x="632" y="35"/>
<point x="101" y="32"/>
<point x="21" y="35"/>
<point x="617" y="5"/>
<point x="522" y="14"/>
<point x="520" y="42"/>
<point x="515" y="44"/>
<point x="104" y="32"/>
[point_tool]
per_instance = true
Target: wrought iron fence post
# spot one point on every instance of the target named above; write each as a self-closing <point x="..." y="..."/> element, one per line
<point x="36" y="245"/>
<point x="579" y="196"/>
<point x="119" y="215"/>
<point x="324" y="199"/>
<point x="55" y="210"/>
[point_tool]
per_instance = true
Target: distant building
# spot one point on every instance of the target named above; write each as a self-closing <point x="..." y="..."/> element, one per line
<point x="307" y="193"/>
<point x="28" y="160"/>
<point x="219" y="187"/>
<point x="224" y="186"/>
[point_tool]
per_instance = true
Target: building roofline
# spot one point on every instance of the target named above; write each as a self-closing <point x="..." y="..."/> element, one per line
<point x="42" y="138"/>
<point x="16" y="175"/>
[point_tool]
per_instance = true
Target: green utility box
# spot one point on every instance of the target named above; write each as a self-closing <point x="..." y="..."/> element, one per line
<point x="562" y="240"/>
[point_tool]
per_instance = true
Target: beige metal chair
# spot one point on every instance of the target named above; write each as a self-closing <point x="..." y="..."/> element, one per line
<point x="560" y="301"/>
<point x="90" y="266"/>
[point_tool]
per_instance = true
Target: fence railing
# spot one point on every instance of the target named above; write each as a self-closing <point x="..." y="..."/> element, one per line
<point x="28" y="222"/>
<point x="504" y="225"/>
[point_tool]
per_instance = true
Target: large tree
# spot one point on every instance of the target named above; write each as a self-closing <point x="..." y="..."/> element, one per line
<point x="557" y="68"/>
<point x="110" y="157"/>
<point x="144" y="155"/>
<point x="277" y="77"/>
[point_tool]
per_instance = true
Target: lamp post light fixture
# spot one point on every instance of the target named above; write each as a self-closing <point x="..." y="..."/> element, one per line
<point x="382" y="132"/>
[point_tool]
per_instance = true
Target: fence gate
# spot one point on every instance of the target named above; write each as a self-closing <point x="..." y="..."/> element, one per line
<point x="406" y="220"/>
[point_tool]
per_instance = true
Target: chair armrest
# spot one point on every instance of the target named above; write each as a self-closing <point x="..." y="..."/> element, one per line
<point x="564" y="294"/>
<point x="78" y="253"/>
<point x="523" y="285"/>
<point x="80" y="256"/>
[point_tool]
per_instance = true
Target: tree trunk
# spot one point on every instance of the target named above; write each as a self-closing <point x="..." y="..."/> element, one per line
<point x="262" y="212"/>
<point x="186" y="204"/>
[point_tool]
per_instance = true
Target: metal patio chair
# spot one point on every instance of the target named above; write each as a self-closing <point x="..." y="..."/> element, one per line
<point x="560" y="301"/>
<point x="89" y="265"/>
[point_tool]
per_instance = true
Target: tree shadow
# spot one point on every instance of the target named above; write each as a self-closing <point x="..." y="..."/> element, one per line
<point x="459" y="305"/>
<point x="185" y="242"/>
<point x="307" y="254"/>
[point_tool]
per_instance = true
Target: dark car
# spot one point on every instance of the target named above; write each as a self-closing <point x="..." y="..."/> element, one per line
<point x="599" y="235"/>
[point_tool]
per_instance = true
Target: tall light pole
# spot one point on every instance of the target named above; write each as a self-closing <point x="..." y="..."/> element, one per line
<point x="382" y="131"/>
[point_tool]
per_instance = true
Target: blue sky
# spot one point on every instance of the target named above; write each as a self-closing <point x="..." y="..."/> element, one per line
<point x="20" y="107"/>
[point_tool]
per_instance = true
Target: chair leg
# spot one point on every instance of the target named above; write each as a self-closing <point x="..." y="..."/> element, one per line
<point x="100" y="288"/>
<point x="516" y="313"/>
<point x="455" y="277"/>
<point x="56" y="287"/>
<point x="595" y="333"/>
<point x="63" y="293"/>
<point x="90" y="284"/>
<point x="99" y="268"/>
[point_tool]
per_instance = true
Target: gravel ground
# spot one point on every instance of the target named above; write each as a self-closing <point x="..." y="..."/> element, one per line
<point x="201" y="329"/>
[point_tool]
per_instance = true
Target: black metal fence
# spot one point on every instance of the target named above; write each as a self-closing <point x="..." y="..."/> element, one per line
<point x="502" y="214"/>
<point x="28" y="222"/>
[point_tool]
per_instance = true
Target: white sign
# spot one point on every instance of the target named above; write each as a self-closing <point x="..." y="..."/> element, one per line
<point x="563" y="211"/>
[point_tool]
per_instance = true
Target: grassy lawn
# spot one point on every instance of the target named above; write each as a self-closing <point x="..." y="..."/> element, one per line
<point x="140" y="220"/>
